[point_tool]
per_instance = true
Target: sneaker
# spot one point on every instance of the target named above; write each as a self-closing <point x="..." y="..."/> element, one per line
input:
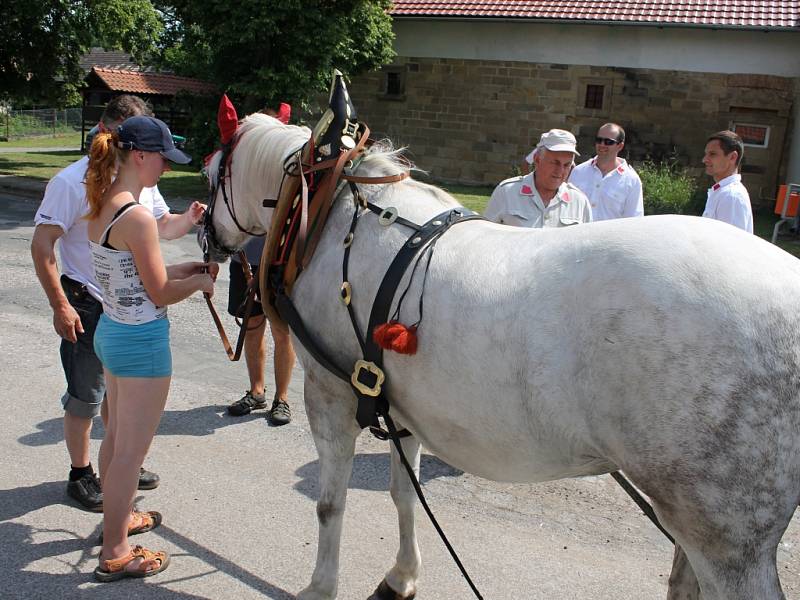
<point x="246" y="404"/>
<point x="87" y="492"/>
<point x="280" y="413"/>
<point x="148" y="480"/>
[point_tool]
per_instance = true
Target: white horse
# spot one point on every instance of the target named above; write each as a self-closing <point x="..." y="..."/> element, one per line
<point x="665" y="347"/>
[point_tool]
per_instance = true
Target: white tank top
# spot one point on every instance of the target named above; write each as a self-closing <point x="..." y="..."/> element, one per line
<point x="124" y="298"/>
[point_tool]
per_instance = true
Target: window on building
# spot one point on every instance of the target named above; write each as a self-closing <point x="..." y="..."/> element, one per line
<point x="393" y="85"/>
<point x="751" y="134"/>
<point x="594" y="96"/>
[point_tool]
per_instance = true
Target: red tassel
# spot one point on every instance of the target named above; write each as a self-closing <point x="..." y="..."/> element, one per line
<point x="396" y="337"/>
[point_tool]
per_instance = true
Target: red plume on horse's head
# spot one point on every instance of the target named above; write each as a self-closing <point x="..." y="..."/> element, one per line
<point x="284" y="113"/>
<point x="227" y="120"/>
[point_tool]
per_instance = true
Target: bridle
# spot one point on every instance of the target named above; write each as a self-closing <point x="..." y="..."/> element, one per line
<point x="207" y="235"/>
<point x="209" y="242"/>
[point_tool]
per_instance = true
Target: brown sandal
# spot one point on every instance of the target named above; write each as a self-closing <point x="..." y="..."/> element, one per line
<point x="114" y="569"/>
<point x="141" y="522"/>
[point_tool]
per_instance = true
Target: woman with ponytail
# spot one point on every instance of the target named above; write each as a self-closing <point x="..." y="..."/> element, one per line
<point x="132" y="336"/>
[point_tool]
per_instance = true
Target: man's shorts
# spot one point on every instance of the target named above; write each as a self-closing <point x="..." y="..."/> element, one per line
<point x="237" y="292"/>
<point x="83" y="370"/>
<point x="134" y="350"/>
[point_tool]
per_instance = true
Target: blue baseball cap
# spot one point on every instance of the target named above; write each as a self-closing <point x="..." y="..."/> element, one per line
<point x="151" y="135"/>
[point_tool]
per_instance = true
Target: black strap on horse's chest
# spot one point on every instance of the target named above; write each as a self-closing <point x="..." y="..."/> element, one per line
<point x="366" y="378"/>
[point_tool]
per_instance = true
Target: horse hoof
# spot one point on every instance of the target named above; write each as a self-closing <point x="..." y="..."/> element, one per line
<point x="384" y="592"/>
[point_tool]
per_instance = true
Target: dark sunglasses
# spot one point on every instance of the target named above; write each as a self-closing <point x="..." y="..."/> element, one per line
<point x="605" y="141"/>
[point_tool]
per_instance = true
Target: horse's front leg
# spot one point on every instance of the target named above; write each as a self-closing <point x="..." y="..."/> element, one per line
<point x="333" y="425"/>
<point x="400" y="582"/>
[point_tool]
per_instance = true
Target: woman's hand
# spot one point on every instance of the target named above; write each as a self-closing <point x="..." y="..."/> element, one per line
<point x="187" y="269"/>
<point x="206" y="284"/>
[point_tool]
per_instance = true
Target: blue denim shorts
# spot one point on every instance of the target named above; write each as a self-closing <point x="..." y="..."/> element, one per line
<point x="134" y="350"/>
<point x="86" y="385"/>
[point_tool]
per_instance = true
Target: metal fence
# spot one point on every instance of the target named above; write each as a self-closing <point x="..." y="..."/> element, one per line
<point x="15" y="124"/>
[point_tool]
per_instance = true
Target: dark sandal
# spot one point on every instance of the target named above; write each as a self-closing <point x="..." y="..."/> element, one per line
<point x="114" y="569"/>
<point x="142" y="522"/>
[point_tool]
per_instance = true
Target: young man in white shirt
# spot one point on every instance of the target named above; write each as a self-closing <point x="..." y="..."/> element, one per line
<point x="728" y="199"/>
<point x="76" y="299"/>
<point x="542" y="198"/>
<point x="613" y="187"/>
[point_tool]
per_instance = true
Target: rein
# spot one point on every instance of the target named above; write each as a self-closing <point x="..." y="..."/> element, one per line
<point x="248" y="303"/>
<point x="223" y="172"/>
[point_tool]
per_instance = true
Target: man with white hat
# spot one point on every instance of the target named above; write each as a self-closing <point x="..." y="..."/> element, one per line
<point x="542" y="198"/>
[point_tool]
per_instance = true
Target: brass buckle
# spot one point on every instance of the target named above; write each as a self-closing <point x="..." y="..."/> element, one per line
<point x="388" y="216"/>
<point x="373" y="391"/>
<point x="348" y="240"/>
<point x="346" y="293"/>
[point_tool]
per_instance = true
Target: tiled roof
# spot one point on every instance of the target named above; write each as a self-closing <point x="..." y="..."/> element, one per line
<point x="746" y="14"/>
<point x="109" y="59"/>
<point x="136" y="82"/>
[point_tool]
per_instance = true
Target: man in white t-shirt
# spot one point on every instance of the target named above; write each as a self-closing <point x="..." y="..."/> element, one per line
<point x="76" y="299"/>
<point x="728" y="199"/>
<point x="542" y="198"/>
<point x="613" y="187"/>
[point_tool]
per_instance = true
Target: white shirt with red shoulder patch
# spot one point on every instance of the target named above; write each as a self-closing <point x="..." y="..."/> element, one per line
<point x="729" y="201"/>
<point x="516" y="202"/>
<point x="615" y="195"/>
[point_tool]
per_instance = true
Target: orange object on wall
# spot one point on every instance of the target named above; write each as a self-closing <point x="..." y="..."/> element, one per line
<point x="794" y="200"/>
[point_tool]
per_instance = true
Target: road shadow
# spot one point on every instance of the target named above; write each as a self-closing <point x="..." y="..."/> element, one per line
<point x="371" y="473"/>
<point x="21" y="551"/>
<point x="196" y="422"/>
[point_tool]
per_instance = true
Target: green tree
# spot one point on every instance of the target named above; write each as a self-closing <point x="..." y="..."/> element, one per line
<point x="268" y="51"/>
<point x="41" y="42"/>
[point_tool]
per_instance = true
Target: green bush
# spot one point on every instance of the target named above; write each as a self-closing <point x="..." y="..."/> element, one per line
<point x="667" y="188"/>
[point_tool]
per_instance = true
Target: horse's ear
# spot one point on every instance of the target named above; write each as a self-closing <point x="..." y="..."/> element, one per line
<point x="227" y="119"/>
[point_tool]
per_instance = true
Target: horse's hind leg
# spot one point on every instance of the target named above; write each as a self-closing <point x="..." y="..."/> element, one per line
<point x="333" y="425"/>
<point x="683" y="583"/>
<point x="400" y="582"/>
<point x="724" y="561"/>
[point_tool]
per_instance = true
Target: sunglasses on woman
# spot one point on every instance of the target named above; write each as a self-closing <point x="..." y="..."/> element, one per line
<point x="605" y="141"/>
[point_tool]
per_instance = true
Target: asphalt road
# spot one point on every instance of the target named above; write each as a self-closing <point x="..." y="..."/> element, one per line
<point x="238" y="496"/>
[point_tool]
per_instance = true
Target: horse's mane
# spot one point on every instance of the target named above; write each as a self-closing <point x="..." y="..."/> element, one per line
<point x="262" y="145"/>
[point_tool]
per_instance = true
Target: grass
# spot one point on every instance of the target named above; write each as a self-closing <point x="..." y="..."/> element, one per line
<point x="183" y="181"/>
<point x="66" y="140"/>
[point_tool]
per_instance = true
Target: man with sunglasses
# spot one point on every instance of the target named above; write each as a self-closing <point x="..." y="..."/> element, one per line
<point x="613" y="187"/>
<point x="542" y="198"/>
<point x="76" y="299"/>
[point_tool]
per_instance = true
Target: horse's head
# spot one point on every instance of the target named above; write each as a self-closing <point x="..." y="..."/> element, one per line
<point x="242" y="178"/>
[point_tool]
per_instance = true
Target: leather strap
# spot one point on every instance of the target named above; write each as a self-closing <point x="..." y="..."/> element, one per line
<point x="248" y="308"/>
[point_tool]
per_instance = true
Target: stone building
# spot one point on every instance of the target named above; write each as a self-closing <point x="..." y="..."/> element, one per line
<point x="475" y="83"/>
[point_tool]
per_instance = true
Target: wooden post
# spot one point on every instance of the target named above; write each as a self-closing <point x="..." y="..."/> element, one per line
<point x="54" y="122"/>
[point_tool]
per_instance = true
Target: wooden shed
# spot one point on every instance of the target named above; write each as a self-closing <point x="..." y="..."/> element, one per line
<point x="159" y="89"/>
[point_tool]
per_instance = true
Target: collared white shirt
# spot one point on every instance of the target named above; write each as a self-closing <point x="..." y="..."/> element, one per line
<point x="729" y="201"/>
<point x="614" y="195"/>
<point x="516" y="202"/>
<point x="64" y="204"/>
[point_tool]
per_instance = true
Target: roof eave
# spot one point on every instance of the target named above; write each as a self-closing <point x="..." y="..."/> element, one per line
<point x="660" y="25"/>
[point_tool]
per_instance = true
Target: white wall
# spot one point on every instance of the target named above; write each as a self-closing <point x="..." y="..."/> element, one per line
<point x="683" y="49"/>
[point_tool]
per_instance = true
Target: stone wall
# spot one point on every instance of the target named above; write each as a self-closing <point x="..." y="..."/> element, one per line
<point x="472" y="121"/>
